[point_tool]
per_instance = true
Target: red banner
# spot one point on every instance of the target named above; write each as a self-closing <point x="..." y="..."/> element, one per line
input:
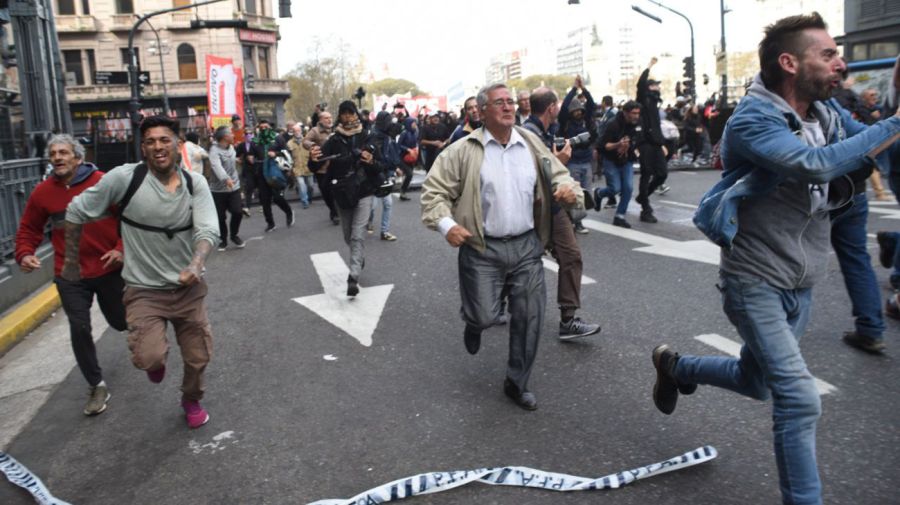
<point x="225" y="91"/>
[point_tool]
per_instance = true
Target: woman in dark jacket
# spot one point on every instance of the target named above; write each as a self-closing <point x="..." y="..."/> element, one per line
<point x="355" y="168"/>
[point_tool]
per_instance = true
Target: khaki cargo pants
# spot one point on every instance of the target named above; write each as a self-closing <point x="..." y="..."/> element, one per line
<point x="148" y="312"/>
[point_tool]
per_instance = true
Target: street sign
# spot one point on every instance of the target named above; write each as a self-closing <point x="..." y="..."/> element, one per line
<point x="119" y="77"/>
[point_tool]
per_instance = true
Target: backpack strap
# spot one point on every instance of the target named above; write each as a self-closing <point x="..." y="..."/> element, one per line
<point x="137" y="178"/>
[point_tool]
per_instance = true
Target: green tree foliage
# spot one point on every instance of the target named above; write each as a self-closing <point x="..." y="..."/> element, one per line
<point x="391" y="87"/>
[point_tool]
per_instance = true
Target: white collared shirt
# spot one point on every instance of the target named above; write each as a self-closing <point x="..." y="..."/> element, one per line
<point x="508" y="180"/>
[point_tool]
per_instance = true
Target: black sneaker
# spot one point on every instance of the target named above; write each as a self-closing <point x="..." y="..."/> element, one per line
<point x="576" y="328"/>
<point x="404" y="198"/>
<point x="271" y="227"/>
<point x="524" y="399"/>
<point x="245" y="211"/>
<point x="621" y="222"/>
<point x="863" y="342"/>
<point x="890" y="307"/>
<point x="291" y="219"/>
<point x="887" y="246"/>
<point x="648" y="217"/>
<point x="666" y="388"/>
<point x="335" y="220"/>
<point x="240" y="244"/>
<point x="222" y="246"/>
<point x="472" y="339"/>
<point x="580" y="229"/>
<point x="598" y="200"/>
<point x="611" y="203"/>
<point x="352" y="286"/>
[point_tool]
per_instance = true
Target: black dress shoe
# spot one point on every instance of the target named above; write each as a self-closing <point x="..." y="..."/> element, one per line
<point x="472" y="338"/>
<point x="525" y="399"/>
<point x="648" y="217"/>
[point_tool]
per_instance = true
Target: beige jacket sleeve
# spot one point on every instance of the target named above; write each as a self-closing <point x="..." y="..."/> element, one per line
<point x="442" y="188"/>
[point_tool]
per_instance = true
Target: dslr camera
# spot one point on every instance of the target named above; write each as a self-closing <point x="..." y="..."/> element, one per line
<point x="581" y="140"/>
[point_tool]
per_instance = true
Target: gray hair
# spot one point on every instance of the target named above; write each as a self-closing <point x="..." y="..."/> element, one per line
<point x="482" y="98"/>
<point x="65" y="138"/>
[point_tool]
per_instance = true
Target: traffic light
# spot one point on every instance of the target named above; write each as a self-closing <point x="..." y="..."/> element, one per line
<point x="688" y="67"/>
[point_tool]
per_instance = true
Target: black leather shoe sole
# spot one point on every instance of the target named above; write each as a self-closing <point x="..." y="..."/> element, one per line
<point x="525" y="400"/>
<point x="472" y="339"/>
<point x="665" y="390"/>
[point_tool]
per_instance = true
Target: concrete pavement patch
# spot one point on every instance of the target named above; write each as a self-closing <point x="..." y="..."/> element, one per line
<point x="27" y="316"/>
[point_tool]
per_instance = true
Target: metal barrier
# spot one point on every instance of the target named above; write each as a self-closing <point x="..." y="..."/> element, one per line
<point x="17" y="180"/>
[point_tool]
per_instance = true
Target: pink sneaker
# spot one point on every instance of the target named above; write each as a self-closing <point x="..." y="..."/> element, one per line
<point x="157" y="376"/>
<point x="195" y="414"/>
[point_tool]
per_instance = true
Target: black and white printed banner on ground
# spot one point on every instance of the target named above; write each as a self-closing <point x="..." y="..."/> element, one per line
<point x="22" y="477"/>
<point x="428" y="483"/>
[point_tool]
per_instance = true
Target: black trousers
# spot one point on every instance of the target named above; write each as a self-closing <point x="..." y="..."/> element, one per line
<point x="266" y="196"/>
<point x="325" y="189"/>
<point x="77" y="298"/>
<point x="654" y="172"/>
<point x="248" y="185"/>
<point x="230" y="202"/>
<point x="407" y="176"/>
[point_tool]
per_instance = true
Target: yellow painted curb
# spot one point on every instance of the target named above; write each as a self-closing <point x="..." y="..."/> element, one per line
<point x="18" y="323"/>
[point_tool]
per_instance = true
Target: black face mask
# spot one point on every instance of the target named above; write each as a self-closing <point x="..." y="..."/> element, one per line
<point x="654" y="94"/>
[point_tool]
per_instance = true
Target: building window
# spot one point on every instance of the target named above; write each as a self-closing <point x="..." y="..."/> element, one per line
<point x="249" y="66"/>
<point x="263" y="58"/>
<point x="65" y="7"/>
<point x="884" y="50"/>
<point x="126" y="60"/>
<point x="187" y="63"/>
<point x="859" y="52"/>
<point x="124" y="6"/>
<point x="92" y="66"/>
<point x="74" y="69"/>
<point x="86" y="7"/>
<point x="250" y="6"/>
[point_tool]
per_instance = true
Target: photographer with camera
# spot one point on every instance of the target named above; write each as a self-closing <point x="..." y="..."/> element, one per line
<point x="576" y="120"/>
<point x="354" y="169"/>
<point x="617" y="151"/>
<point x="544" y="106"/>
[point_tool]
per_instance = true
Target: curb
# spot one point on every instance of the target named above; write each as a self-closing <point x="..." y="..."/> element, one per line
<point x="19" y="322"/>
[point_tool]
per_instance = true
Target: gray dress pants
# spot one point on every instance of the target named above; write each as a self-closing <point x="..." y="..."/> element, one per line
<point x="353" y="224"/>
<point x="512" y="265"/>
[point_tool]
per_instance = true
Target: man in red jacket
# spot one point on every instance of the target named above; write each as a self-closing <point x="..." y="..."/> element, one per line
<point x="100" y="257"/>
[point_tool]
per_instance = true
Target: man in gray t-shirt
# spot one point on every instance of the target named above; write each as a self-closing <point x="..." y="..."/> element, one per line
<point x="169" y="226"/>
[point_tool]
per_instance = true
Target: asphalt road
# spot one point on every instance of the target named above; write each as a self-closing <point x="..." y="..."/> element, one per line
<point x="302" y="411"/>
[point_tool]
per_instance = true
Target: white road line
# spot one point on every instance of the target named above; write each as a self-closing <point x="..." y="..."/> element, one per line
<point x="733" y="348"/>
<point x="679" y="204"/>
<point x="883" y="203"/>
<point x="871" y="235"/>
<point x="887" y="213"/>
<point x="702" y="251"/>
<point x="554" y="267"/>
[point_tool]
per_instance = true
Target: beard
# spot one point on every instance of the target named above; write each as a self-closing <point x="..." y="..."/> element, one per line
<point x="815" y="88"/>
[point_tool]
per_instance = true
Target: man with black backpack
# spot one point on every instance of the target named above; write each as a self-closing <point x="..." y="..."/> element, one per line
<point x="168" y="227"/>
<point x="355" y="169"/>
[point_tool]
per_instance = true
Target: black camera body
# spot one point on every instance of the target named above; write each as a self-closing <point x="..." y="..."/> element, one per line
<point x="583" y="139"/>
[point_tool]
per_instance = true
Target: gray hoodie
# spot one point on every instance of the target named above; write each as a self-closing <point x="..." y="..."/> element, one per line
<point x="784" y="238"/>
<point x="223" y="163"/>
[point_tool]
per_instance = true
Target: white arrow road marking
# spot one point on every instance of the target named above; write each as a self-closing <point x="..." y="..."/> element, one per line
<point x="679" y="204"/>
<point x="733" y="348"/>
<point x="701" y="251"/>
<point x="358" y="316"/>
<point x="886" y="213"/>
<point x="554" y="267"/>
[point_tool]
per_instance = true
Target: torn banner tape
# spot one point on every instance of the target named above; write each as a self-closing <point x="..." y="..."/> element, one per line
<point x="22" y="477"/>
<point x="428" y="483"/>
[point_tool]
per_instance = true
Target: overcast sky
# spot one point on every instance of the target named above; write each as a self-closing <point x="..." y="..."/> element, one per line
<point x="439" y="43"/>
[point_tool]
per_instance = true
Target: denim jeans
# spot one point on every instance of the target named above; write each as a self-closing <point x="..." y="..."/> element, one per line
<point x="305" y="189"/>
<point x="581" y="172"/>
<point x="619" y="181"/>
<point x="387" y="204"/>
<point x="848" y="238"/>
<point x="770" y="321"/>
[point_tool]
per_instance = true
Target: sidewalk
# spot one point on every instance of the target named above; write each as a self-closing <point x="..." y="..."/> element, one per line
<point x="21" y="319"/>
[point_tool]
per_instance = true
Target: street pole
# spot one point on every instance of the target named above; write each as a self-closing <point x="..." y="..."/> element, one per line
<point x="162" y="70"/>
<point x="134" y="104"/>
<point x="693" y="75"/>
<point x="723" y="95"/>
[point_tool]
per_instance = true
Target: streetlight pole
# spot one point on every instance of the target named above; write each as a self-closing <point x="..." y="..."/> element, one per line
<point x="723" y="95"/>
<point x="134" y="104"/>
<point x="691" y="26"/>
<point x="162" y="70"/>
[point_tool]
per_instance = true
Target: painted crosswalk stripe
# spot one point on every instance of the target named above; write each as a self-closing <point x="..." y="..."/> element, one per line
<point x="702" y="251"/>
<point x="733" y="348"/>
<point x="554" y="267"/>
<point x="679" y="204"/>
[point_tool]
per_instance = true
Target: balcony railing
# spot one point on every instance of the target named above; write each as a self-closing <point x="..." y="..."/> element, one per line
<point x="68" y="24"/>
